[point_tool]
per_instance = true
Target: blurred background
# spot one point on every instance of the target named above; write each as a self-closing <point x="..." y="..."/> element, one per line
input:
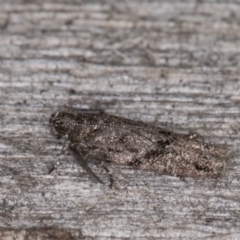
<point x="172" y="63"/>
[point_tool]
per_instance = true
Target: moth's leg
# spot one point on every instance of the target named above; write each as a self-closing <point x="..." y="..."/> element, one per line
<point x="63" y="150"/>
<point x="110" y="176"/>
<point x="52" y="168"/>
<point x="82" y="160"/>
<point x="65" y="147"/>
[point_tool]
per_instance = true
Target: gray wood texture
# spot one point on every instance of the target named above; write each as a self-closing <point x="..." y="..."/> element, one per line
<point x="174" y="63"/>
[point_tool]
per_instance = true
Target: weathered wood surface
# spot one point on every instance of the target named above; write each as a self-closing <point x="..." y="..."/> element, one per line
<point x="175" y="63"/>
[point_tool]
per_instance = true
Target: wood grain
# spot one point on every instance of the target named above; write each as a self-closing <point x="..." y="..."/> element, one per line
<point x="174" y="63"/>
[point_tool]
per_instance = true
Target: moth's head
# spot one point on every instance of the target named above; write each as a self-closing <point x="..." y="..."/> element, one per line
<point x="61" y="123"/>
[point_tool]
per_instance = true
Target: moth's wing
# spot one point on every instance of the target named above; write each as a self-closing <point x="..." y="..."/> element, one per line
<point x="204" y="148"/>
<point x="200" y="158"/>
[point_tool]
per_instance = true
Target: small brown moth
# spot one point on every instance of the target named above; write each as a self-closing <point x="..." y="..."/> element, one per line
<point x="105" y="138"/>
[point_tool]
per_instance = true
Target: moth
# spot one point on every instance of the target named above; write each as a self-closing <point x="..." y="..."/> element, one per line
<point x="104" y="138"/>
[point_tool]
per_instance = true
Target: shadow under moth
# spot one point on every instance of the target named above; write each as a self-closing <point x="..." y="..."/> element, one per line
<point x="104" y="138"/>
